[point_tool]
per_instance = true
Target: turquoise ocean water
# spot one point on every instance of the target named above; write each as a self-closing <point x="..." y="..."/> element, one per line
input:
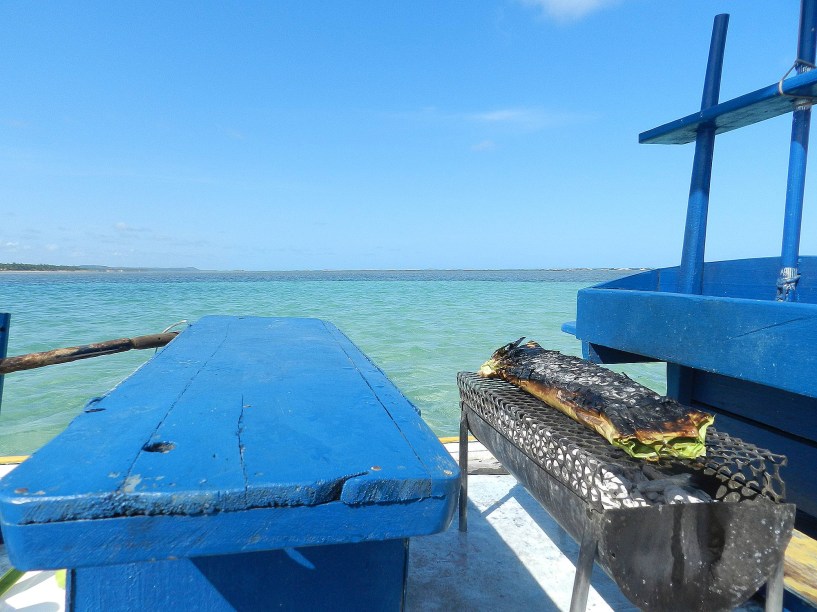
<point x="421" y="327"/>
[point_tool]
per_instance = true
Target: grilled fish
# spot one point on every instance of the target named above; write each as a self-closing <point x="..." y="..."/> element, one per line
<point x="629" y="415"/>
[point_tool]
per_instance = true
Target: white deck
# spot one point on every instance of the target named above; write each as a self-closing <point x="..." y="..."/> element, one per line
<point x="513" y="557"/>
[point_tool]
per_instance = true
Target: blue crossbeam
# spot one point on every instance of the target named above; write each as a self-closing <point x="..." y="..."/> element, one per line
<point x="736" y="113"/>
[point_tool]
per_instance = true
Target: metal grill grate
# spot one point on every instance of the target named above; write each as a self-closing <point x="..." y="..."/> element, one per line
<point x="598" y="472"/>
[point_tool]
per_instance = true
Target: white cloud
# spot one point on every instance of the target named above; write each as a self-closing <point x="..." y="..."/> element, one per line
<point x="509" y="114"/>
<point x="14" y="123"/>
<point x="568" y="10"/>
<point x="527" y="118"/>
<point x="124" y="228"/>
<point x="485" y="145"/>
<point x="233" y="134"/>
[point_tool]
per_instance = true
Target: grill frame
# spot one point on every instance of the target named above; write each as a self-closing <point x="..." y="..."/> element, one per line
<point x="561" y="463"/>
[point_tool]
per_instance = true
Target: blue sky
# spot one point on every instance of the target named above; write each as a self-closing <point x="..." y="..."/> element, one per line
<point x="380" y="134"/>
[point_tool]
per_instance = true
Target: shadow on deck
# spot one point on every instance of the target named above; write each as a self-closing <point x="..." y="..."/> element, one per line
<point x="514" y="556"/>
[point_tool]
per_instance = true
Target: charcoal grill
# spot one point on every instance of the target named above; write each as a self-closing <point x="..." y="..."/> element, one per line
<point x="686" y="556"/>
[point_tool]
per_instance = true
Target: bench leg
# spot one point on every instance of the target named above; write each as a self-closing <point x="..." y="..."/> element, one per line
<point x="463" y="501"/>
<point x="584" y="568"/>
<point x="774" y="588"/>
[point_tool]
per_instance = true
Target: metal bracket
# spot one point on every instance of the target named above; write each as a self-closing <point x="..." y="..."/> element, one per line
<point x="787" y="284"/>
<point x="800" y="66"/>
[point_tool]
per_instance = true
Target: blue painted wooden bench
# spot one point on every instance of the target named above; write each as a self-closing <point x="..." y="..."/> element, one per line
<point x="254" y="463"/>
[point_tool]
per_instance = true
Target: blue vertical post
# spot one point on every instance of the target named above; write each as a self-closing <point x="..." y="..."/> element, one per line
<point x="680" y="379"/>
<point x="798" y="155"/>
<point x="5" y="323"/>
<point x="690" y="276"/>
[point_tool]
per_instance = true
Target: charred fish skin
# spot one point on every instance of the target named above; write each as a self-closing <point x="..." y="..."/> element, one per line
<point x="629" y="415"/>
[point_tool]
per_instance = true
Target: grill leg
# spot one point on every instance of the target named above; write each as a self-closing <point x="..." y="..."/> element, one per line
<point x="463" y="506"/>
<point x="774" y="588"/>
<point x="584" y="568"/>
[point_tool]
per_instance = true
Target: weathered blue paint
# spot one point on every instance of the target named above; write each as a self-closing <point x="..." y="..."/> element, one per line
<point x="734" y="336"/>
<point x="736" y="113"/>
<point x="751" y="279"/>
<point x="798" y="156"/>
<point x="243" y="434"/>
<point x="680" y="383"/>
<point x="366" y="576"/>
<point x="692" y="257"/>
<point x="569" y="327"/>
<point x="5" y="324"/>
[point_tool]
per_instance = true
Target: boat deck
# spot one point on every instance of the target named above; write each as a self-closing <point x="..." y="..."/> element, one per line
<point x="514" y="556"/>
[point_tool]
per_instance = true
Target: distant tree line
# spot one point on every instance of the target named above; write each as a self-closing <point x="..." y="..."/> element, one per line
<point x="8" y="267"/>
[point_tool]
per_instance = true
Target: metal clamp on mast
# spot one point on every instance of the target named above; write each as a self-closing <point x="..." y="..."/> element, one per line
<point x="798" y="156"/>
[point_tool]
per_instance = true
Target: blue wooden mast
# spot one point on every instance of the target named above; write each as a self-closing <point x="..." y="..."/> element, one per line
<point x="798" y="155"/>
<point x="690" y="279"/>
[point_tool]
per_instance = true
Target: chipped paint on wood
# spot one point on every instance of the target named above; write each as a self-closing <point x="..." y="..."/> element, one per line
<point x="244" y="433"/>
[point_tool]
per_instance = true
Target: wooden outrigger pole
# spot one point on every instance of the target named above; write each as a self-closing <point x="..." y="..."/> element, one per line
<point x="85" y="351"/>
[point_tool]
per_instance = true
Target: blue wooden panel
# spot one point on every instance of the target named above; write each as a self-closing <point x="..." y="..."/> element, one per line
<point x="326" y="419"/>
<point x="792" y="414"/>
<point x="130" y="539"/>
<point x="242" y="434"/>
<point x="742" y="278"/>
<point x="365" y="576"/>
<point x="736" y="113"/>
<point x="645" y="281"/>
<point x="604" y="354"/>
<point x="767" y="342"/>
<point x="86" y="471"/>
<point x="426" y="446"/>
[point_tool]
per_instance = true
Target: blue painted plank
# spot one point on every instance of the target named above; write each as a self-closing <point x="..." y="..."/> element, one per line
<point x="254" y="416"/>
<point x="736" y="113"/>
<point x="795" y="415"/>
<point x="741" y="278"/>
<point x="324" y="416"/>
<point x="405" y="415"/>
<point x="364" y="576"/>
<point x="569" y="327"/>
<point x="746" y="339"/>
<point x="85" y="472"/>
<point x="131" y="539"/>
<point x="604" y="354"/>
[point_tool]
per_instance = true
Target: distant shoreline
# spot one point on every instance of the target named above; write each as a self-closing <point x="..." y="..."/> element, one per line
<point x="15" y="267"/>
<point x="104" y="269"/>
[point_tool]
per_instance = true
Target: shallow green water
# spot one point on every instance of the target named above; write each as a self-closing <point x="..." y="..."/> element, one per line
<point x="421" y="328"/>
